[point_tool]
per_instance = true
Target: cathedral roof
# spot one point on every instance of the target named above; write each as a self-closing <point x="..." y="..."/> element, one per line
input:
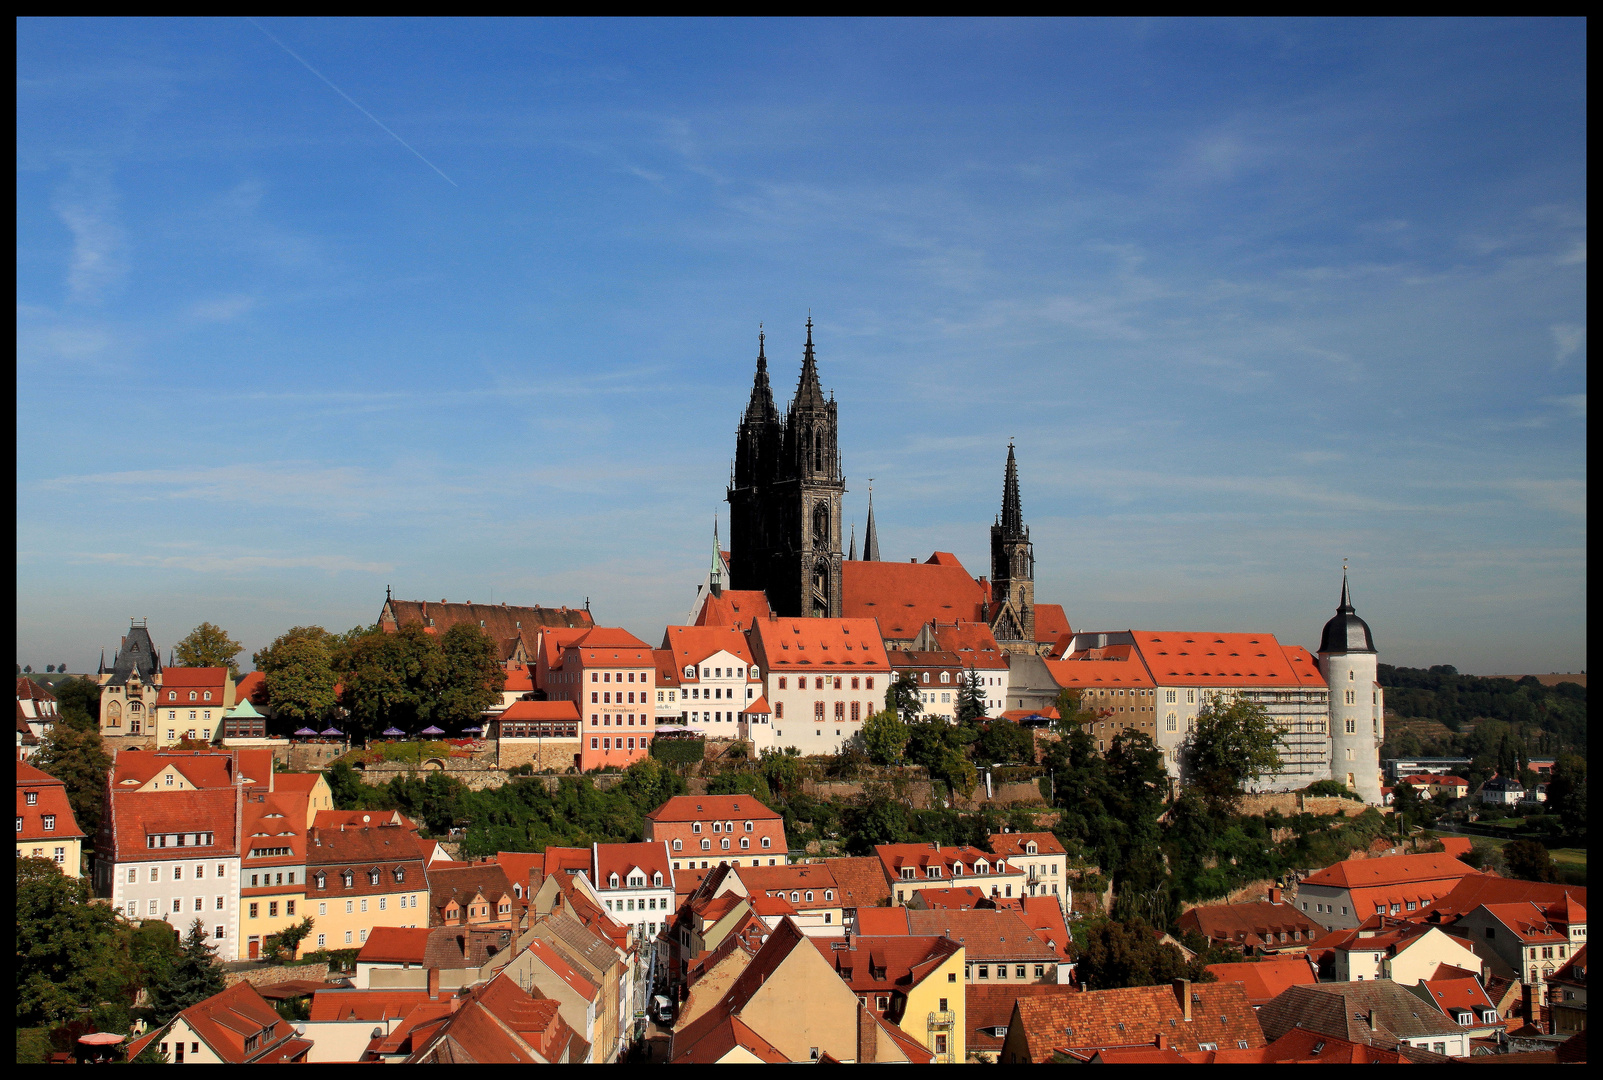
<point x="1191" y="658"/>
<point x="1346" y="632"/>
<point x="905" y="596"/>
<point x="836" y="645"/>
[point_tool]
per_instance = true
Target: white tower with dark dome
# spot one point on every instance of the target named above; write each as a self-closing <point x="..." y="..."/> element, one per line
<point x="1349" y="663"/>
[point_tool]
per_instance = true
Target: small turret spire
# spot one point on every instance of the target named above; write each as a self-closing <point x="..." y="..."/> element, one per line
<point x="809" y="391"/>
<point x="1346" y="605"/>
<point x="871" y="536"/>
<point x="851" y="552"/>
<point x="717" y="576"/>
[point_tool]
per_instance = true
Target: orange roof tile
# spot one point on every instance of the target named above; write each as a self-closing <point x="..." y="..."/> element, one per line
<point x="819" y="645"/>
<point x="1211" y="658"/>
<point x="135" y="815"/>
<point x="1390" y="870"/>
<point x="1085" y="669"/>
<point x="1135" y="1016"/>
<point x="251" y="687"/>
<point x="1051" y="622"/>
<point x="861" y="880"/>
<point x="541" y="710"/>
<point x="990" y="1007"/>
<point x="1267" y="979"/>
<point x="225" y="1020"/>
<point x="691" y="645"/>
<point x="394" y="944"/>
<point x="649" y="857"/>
<point x="1013" y="844"/>
<point x="196" y="678"/>
<point x="49" y="797"/>
<point x="905" y="596"/>
<point x="682" y="808"/>
<point x="563" y="970"/>
<point x="736" y="607"/>
<point x="518" y="680"/>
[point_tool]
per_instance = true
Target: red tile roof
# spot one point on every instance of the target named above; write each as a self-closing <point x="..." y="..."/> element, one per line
<point x="500" y="621"/>
<point x="30" y="690"/>
<point x="133" y="815"/>
<point x="519" y="864"/>
<point x="501" y="1023"/>
<point x="905" y="596"/>
<point x="1391" y="870"/>
<point x="682" y="808"/>
<point x="650" y="857"/>
<point x="251" y="687"/>
<point x="922" y="856"/>
<point x="1267" y="979"/>
<point x="394" y="945"/>
<point x="202" y="768"/>
<point x="781" y="943"/>
<point x="1044" y="915"/>
<point x="1085" y="669"/>
<point x="1527" y="922"/>
<point x="986" y="934"/>
<point x="192" y="678"/>
<point x="861" y="881"/>
<point x="1448" y="994"/>
<point x="227" y="1019"/>
<point x="1012" y="844"/>
<point x="1473" y="890"/>
<point x="973" y="641"/>
<point x="50" y="797"/>
<point x="875" y="963"/>
<point x="558" y="966"/>
<point x="736" y="607"/>
<point x="273" y="822"/>
<point x="541" y="710"/>
<point x="880" y="922"/>
<point x="1254" y="924"/>
<point x="691" y="645"/>
<point x="1051" y="622"/>
<point x="518" y="680"/>
<point x="966" y="896"/>
<point x="819" y="644"/>
<point x="1211" y="658"/>
<point x="989" y="1007"/>
<point x="1135" y="1017"/>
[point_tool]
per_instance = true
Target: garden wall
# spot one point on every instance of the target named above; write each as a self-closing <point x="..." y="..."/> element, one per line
<point x="267" y="976"/>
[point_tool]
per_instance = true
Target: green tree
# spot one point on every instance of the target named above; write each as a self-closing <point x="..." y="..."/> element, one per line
<point x="781" y="769"/>
<point x="1528" y="860"/>
<point x="1331" y="789"/>
<point x="209" y="646"/>
<point x="78" y="702"/>
<point x="1072" y="711"/>
<point x="876" y="818"/>
<point x="77" y="757"/>
<point x="970" y="699"/>
<point x="1234" y="741"/>
<point x="885" y="737"/>
<point x="1003" y="741"/>
<point x="68" y="955"/>
<point x="1566" y="793"/>
<point x="285" y="944"/>
<point x="902" y="697"/>
<point x="190" y="979"/>
<point x="298" y="669"/>
<point x="468" y="678"/>
<point x="152" y="948"/>
<point x="1409" y="804"/>
<point x="1120" y="954"/>
<point x="384" y="676"/>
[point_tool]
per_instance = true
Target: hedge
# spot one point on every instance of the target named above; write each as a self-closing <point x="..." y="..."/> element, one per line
<point x="678" y="751"/>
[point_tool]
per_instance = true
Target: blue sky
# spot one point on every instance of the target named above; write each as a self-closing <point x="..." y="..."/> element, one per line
<point x="1250" y="297"/>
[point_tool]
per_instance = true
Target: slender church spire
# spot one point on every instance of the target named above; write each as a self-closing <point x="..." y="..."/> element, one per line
<point x="1012" y="519"/>
<point x="1346" y="605"/>
<point x="760" y="409"/>
<point x="871" y="537"/>
<point x="717" y="574"/>
<point x="851" y="552"/>
<point x="809" y="392"/>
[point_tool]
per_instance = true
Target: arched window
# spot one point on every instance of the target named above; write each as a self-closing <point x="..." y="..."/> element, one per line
<point x="172" y="695"/>
<point x="717" y="826"/>
<point x="946" y="676"/>
<point x="926" y="676"/>
<point x="765" y="841"/>
<point x="821" y="521"/>
<point x="705" y="844"/>
<point x="748" y="826"/>
<point x="729" y="826"/>
<point x="400" y="875"/>
<point x="207" y="696"/>
<point x="795" y="898"/>
<point x="695" y="826"/>
<point x="745" y="842"/>
<point x="679" y="845"/>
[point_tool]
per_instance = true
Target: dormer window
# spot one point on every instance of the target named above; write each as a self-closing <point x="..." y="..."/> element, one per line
<point x="934" y="871"/>
<point x="1030" y="847"/>
<point x="400" y="875"/>
<point x="690" y="672"/>
<point x="322" y="880"/>
<point x="695" y="826"/>
<point x="348" y="878"/>
<point x="748" y="826"/>
<point x="679" y="845"/>
<point x="373" y="876"/>
<point x="656" y="879"/>
<point x="612" y="881"/>
<point x="957" y="869"/>
<point x="172" y="695"/>
<point x="207" y="696"/>
<point x="192" y="695"/>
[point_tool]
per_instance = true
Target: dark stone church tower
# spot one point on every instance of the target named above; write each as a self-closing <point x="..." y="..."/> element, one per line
<point x="1012" y="608"/>
<point x="785" y="496"/>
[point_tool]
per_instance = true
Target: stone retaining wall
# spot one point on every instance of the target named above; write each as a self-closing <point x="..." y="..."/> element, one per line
<point x="558" y="754"/>
<point x="267" y="976"/>
<point x="1290" y="803"/>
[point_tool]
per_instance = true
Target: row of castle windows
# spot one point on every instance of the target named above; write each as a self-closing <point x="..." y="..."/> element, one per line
<point x="818" y="682"/>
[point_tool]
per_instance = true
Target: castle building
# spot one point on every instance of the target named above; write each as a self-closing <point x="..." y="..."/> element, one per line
<point x="785" y="496"/>
<point x="129" y="685"/>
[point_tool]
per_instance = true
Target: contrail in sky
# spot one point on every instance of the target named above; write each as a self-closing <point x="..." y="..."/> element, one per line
<point x="352" y="100"/>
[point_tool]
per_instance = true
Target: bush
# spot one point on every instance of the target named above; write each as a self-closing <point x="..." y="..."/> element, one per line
<point x="679" y="751"/>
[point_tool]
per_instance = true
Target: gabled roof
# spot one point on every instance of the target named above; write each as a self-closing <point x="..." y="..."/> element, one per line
<point x="558" y="965"/>
<point x="987" y="934"/>
<point x="251" y="687"/>
<point x="784" y="939"/>
<point x="922" y="856"/>
<point x="29" y="690"/>
<point x="840" y="646"/>
<point x="990" y="1006"/>
<point x="557" y="710"/>
<point x="1114" y="666"/>
<point x="1573" y="970"/>
<point x="1136" y="1016"/>
<point x="273" y="821"/>
<point x="1527" y="922"/>
<point x="500" y="621"/>
<point x="1254" y="923"/>
<point x="905" y="596"/>
<point x="458" y="885"/>
<point x="1390" y="870"/>
<point x="973" y="641"/>
<point x="1344" y="1009"/>
<point x="800" y="876"/>
<point x="685" y="808"/>
<point x="691" y="645"/>
<point x="649" y="857"/>
<point x="1477" y="889"/>
<point x="1051" y="622"/>
<point x="183" y="679"/>
<point x="519" y="680"/>
<point x="359" y="848"/>
<point x="394" y="945"/>
<point x="1450" y="994"/>
<point x="1044" y="915"/>
<point x="735" y="607"/>
<point x="225" y="1020"/>
<point x="885" y="963"/>
<point x="202" y="768"/>
<point x="667" y="671"/>
<point x="50" y="797"/>
<point x="1213" y="658"/>
<point x="137" y="814"/>
<point x="501" y="1023"/>
<point x="760" y="707"/>
<point x="1013" y="844"/>
<point x="1267" y="979"/>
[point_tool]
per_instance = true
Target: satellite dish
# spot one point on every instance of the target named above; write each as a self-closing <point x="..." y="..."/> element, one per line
<point x="366" y="819"/>
<point x="378" y="1033"/>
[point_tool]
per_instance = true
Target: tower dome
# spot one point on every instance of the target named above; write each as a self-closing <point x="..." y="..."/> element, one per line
<point x="1346" y="633"/>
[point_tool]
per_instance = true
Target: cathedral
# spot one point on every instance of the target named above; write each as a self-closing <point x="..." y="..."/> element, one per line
<point x="785" y="526"/>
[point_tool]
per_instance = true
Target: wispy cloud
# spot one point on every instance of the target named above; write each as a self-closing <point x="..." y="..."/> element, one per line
<point x="1569" y="339"/>
<point x="221" y="308"/>
<point x="87" y="205"/>
<point x="218" y="563"/>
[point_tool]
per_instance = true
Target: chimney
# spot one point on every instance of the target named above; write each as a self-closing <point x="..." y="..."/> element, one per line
<point x="866" y="1035"/>
<point x="434" y="984"/>
<point x="1369" y="1018"/>
<point x="1274" y="894"/>
<point x="1182" y="990"/>
<point x="1162" y="1041"/>
<point x="1528" y="1005"/>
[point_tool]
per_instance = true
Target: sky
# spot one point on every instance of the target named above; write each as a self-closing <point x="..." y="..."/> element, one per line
<point x="309" y="308"/>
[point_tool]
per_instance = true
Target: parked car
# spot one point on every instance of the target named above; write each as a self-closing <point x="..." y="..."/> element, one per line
<point x="662" y="1009"/>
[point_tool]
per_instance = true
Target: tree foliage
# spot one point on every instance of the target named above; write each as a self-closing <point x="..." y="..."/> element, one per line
<point x="1528" y="860"/>
<point x="1234" y="741"/>
<point x="1119" y="954"/>
<point x="77" y="757"/>
<point x="298" y="669"/>
<point x="1003" y="741"/>
<point x="68" y="955"/>
<point x="411" y="678"/>
<point x="190" y="978"/>
<point x="970" y="699"/>
<point x="1566" y="793"/>
<point x="78" y="703"/>
<point x="209" y="646"/>
<point x="287" y="942"/>
<point x="902" y="697"/>
<point x="885" y="737"/>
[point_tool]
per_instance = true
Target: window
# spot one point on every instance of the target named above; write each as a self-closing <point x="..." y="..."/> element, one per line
<point x="322" y="941"/>
<point x="766" y="841"/>
<point x="50" y="822"/>
<point x="1018" y="972"/>
<point x="254" y="910"/>
<point x="349" y="907"/>
<point x="985" y="971"/>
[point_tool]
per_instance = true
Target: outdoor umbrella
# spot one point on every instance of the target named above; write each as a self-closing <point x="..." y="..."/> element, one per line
<point x="305" y="731"/>
<point x="431" y="730"/>
<point x="478" y="729"/>
<point x="331" y="731"/>
<point x="391" y="733"/>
